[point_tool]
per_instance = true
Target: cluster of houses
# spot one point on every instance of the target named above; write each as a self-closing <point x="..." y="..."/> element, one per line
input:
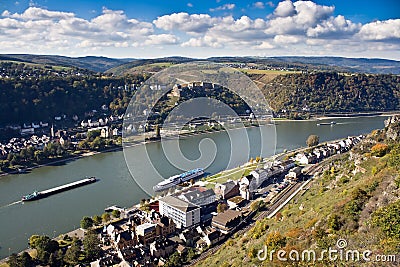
<point x="319" y="153"/>
<point x="188" y="219"/>
<point x="15" y="145"/>
<point x="176" y="223"/>
<point x="36" y="73"/>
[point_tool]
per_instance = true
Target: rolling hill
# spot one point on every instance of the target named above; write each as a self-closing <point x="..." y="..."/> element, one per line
<point x="97" y="64"/>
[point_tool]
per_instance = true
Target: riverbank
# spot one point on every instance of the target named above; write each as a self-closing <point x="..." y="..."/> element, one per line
<point x="62" y="160"/>
<point x="140" y="141"/>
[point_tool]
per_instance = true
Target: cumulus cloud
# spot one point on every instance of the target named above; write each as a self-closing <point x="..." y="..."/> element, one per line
<point x="161" y="39"/>
<point x="334" y="27"/>
<point x="259" y="5"/>
<point x="195" y="23"/>
<point x="224" y="7"/>
<point x="284" y="9"/>
<point x="381" y="30"/>
<point x="297" y="17"/>
<point x="48" y="29"/>
<point x="292" y="27"/>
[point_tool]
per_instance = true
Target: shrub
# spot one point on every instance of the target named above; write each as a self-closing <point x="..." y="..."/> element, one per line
<point x="379" y="150"/>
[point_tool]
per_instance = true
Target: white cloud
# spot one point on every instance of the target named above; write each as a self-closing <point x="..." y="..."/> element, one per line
<point x="195" y="23"/>
<point x="270" y="3"/>
<point x="259" y="5"/>
<point x="334" y="27"/>
<point x="296" y="18"/>
<point x="264" y="45"/>
<point x="47" y="29"/>
<point x="381" y="30"/>
<point x="224" y="7"/>
<point x="189" y="4"/>
<point x="286" y="39"/>
<point x="161" y="39"/>
<point x="206" y="41"/>
<point x="284" y="9"/>
<point x="301" y="27"/>
<point x="36" y="13"/>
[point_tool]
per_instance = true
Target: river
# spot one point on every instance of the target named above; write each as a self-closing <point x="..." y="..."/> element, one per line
<point x="62" y="212"/>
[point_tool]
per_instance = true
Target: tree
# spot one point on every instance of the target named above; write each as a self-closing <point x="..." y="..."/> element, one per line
<point x="387" y="218"/>
<point x="25" y="260"/>
<point x="13" y="260"/>
<point x="105" y="217"/>
<point x="93" y="134"/>
<point x="86" y="222"/>
<point x="221" y="207"/>
<point x="116" y="213"/>
<point x="97" y="219"/>
<point x="91" y="245"/>
<point x="174" y="260"/>
<point x="379" y="150"/>
<point x="255" y="205"/>
<point x="312" y="140"/>
<point x="275" y="240"/>
<point x="72" y="254"/>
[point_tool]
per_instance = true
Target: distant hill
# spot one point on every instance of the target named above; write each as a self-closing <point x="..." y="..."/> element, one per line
<point x="147" y="65"/>
<point x="98" y="64"/>
<point x="126" y="65"/>
<point x="363" y="65"/>
<point x="337" y="64"/>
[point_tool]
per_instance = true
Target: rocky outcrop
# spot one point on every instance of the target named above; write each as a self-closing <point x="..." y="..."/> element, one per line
<point x="393" y="127"/>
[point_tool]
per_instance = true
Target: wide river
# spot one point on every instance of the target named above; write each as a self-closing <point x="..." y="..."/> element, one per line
<point x="62" y="212"/>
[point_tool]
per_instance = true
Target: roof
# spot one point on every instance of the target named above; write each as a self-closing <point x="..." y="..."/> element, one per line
<point x="199" y="192"/>
<point x="236" y="199"/>
<point x="229" y="186"/>
<point x="179" y="204"/>
<point x="227" y="216"/>
<point x="144" y="228"/>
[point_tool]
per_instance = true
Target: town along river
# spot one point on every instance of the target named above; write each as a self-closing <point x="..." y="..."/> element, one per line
<point x="62" y="212"/>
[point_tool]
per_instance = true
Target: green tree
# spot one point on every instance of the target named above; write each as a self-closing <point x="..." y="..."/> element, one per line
<point x="91" y="245"/>
<point x="25" y="260"/>
<point x="312" y="140"/>
<point x="387" y="219"/>
<point x="174" y="260"/>
<point x="13" y="260"/>
<point x="93" y="134"/>
<point x="72" y="254"/>
<point x="275" y="240"/>
<point x="86" y="222"/>
<point x="116" y="213"/>
<point x="106" y="217"/>
<point x="97" y="219"/>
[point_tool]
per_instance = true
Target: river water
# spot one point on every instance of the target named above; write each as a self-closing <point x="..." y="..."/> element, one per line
<point x="62" y="212"/>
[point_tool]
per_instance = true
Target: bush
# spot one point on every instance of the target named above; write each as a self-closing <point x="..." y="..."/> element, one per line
<point x="387" y="218"/>
<point x="312" y="140"/>
<point x="379" y="150"/>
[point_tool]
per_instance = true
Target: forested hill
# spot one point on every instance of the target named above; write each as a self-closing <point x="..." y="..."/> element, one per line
<point x="98" y="64"/>
<point x="332" y="92"/>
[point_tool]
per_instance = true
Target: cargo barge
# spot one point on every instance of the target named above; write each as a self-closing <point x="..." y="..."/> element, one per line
<point x="37" y="195"/>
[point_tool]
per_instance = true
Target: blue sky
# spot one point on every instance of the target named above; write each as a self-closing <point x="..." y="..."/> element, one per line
<point x="155" y="28"/>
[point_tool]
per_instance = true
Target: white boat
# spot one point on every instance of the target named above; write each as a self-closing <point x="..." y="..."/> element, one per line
<point x="177" y="179"/>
